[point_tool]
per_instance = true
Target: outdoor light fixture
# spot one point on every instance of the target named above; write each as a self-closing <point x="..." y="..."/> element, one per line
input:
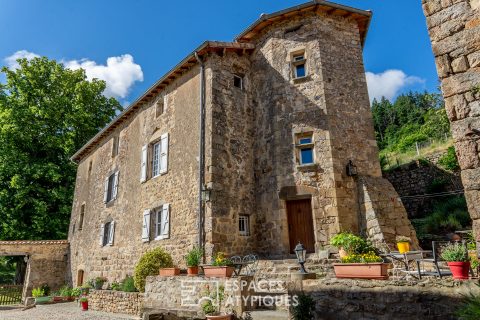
<point x="301" y="253"/>
<point x="206" y="194"/>
<point x="351" y="169"/>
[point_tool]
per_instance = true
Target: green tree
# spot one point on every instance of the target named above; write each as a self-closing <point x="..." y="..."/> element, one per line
<point x="47" y="112"/>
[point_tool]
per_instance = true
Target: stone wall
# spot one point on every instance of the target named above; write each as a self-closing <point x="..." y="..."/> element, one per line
<point x="47" y="262"/>
<point x="116" y="301"/>
<point x="418" y="178"/>
<point x="454" y="28"/>
<point x="338" y="299"/>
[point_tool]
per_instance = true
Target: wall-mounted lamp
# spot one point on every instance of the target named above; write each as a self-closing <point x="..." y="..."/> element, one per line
<point x="351" y="169"/>
<point x="206" y="194"/>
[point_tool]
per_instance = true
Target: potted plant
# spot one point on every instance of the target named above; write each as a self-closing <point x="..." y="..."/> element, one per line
<point x="86" y="288"/>
<point x="84" y="303"/>
<point x="457" y="258"/>
<point x="221" y="267"/>
<point x="361" y="261"/>
<point x="403" y="244"/>
<point x="347" y="243"/>
<point x="98" y="283"/>
<point x="66" y="293"/>
<point x="169" y="272"/>
<point x="193" y="259"/>
<point x="39" y="295"/>
<point x="212" y="304"/>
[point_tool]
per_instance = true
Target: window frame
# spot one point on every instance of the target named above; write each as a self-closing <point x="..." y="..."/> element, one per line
<point x="81" y="217"/>
<point x="115" y="146"/>
<point x="244" y="220"/>
<point x="156" y="152"/>
<point x="159" y="233"/>
<point x="110" y="188"/>
<point x="240" y="78"/>
<point x="299" y="59"/>
<point x="159" y="107"/>
<point x="300" y="146"/>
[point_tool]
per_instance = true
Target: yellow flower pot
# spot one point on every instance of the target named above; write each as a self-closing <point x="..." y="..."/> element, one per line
<point x="403" y="247"/>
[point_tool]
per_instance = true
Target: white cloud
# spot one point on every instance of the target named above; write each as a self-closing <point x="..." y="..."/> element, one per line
<point x="11" y="61"/>
<point x="389" y="83"/>
<point x="120" y="73"/>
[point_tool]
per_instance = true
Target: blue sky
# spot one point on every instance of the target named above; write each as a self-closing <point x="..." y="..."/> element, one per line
<point x="141" y="40"/>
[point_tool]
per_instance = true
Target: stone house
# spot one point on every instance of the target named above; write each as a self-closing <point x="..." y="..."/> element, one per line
<point x="242" y="147"/>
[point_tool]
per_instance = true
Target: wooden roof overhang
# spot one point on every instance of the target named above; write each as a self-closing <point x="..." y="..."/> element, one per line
<point x="186" y="64"/>
<point x="362" y="17"/>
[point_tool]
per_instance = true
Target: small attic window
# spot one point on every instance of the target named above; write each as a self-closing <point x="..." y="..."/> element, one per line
<point x="238" y="81"/>
<point x="299" y="65"/>
<point x="159" y="107"/>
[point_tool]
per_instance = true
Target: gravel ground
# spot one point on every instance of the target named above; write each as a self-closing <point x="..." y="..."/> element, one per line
<point x="59" y="311"/>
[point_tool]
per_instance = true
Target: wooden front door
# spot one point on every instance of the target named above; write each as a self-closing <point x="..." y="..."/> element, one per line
<point x="300" y="224"/>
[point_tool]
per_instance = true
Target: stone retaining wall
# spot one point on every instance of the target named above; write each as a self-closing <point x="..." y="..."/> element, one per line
<point x="116" y="301"/>
<point x="372" y="299"/>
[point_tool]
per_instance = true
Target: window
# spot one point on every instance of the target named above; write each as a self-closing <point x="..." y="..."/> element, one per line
<point x="238" y="81"/>
<point x="90" y="165"/>
<point x="159" y="108"/>
<point x="115" y="146"/>
<point x="82" y="215"/>
<point x="305" y="147"/>
<point x="158" y="153"/>
<point x="244" y="225"/>
<point x="111" y="188"/>
<point x="160" y="219"/>
<point x="107" y="232"/>
<point x="299" y="65"/>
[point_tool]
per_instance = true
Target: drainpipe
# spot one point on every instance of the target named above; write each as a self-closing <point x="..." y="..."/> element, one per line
<point x="201" y="153"/>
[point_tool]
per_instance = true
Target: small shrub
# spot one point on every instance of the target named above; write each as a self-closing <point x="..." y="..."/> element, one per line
<point x="213" y="304"/>
<point x="76" y="292"/>
<point x="194" y="257"/>
<point x="116" y="286"/>
<point x="149" y="265"/>
<point x="470" y="309"/>
<point x="45" y="288"/>
<point x="128" y="284"/>
<point x="304" y="309"/>
<point x="370" y="257"/>
<point x="351" y="243"/>
<point x="38" y="292"/>
<point x="449" y="160"/>
<point x="455" y="252"/>
<point x="65" y="291"/>
<point x="219" y="260"/>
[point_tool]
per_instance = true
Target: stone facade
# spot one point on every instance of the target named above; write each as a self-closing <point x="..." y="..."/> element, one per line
<point x="47" y="262"/>
<point x="256" y="110"/>
<point x="116" y="301"/>
<point x="454" y="28"/>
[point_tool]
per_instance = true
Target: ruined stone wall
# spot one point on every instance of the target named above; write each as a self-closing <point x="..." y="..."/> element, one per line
<point x="229" y="164"/>
<point x="116" y="301"/>
<point x="454" y="28"/>
<point x="178" y="187"/>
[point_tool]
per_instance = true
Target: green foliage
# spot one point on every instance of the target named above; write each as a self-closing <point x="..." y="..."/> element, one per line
<point x="413" y="117"/>
<point x="437" y="185"/>
<point x="65" y="291"/>
<point x="47" y="112"/>
<point x="7" y="270"/>
<point x="116" y="286"/>
<point x="449" y="160"/>
<point x="213" y="303"/>
<point x="220" y="260"/>
<point x="83" y="299"/>
<point x="455" y="252"/>
<point x="351" y="243"/>
<point x="128" y="284"/>
<point x="149" y="265"/>
<point x="45" y="288"/>
<point x="76" y="292"/>
<point x="194" y="257"/>
<point x="303" y="310"/>
<point x="448" y="214"/>
<point x="470" y="309"/>
<point x="38" y="292"/>
<point x="99" y="281"/>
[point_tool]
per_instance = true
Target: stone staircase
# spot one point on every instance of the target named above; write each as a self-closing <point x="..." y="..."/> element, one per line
<point x="281" y="269"/>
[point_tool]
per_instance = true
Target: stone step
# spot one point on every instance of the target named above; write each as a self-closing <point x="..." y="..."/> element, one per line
<point x="269" y="315"/>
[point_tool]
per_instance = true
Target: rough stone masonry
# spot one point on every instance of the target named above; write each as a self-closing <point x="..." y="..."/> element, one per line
<point x="454" y="27"/>
<point x="287" y="109"/>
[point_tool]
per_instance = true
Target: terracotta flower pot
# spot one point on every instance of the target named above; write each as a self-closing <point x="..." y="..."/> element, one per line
<point x="219" y="317"/>
<point x="218" y="272"/>
<point x="361" y="270"/>
<point x="192" y="271"/>
<point x="459" y="270"/>
<point x="403" y="247"/>
<point x="84" y="305"/>
<point x="169" y="272"/>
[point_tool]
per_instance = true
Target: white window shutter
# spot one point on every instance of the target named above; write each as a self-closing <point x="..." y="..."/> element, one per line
<point x="166" y="220"/>
<point x="115" y="185"/>
<point x="111" y="233"/>
<point x="143" y="170"/>
<point x="102" y="232"/>
<point x="105" y="194"/>
<point x="164" y="153"/>
<point x="146" y="226"/>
